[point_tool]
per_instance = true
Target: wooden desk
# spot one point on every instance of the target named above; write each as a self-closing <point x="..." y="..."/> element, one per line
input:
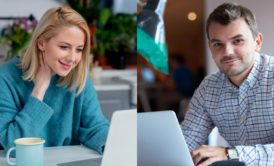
<point x="60" y="154"/>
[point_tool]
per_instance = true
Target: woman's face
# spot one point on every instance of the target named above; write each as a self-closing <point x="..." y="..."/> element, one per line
<point x="64" y="51"/>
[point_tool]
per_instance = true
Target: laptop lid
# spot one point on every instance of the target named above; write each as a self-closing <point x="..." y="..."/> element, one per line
<point x="121" y="145"/>
<point x="160" y="140"/>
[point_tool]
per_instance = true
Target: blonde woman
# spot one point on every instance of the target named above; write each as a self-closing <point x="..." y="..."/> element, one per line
<point x="47" y="92"/>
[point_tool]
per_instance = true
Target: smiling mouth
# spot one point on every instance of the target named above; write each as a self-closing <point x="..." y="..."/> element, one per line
<point x="230" y="61"/>
<point x="65" y="65"/>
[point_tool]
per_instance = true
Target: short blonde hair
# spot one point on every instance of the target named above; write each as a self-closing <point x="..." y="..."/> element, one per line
<point x="48" y="27"/>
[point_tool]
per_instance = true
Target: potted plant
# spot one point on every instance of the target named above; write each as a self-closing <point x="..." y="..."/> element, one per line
<point x="116" y="37"/>
<point x="18" y="34"/>
<point x="102" y="36"/>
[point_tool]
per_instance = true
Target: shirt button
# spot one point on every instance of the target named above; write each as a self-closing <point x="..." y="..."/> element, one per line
<point x="243" y="119"/>
<point x="242" y="141"/>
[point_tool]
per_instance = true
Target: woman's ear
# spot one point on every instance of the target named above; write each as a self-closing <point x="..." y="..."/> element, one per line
<point x="41" y="44"/>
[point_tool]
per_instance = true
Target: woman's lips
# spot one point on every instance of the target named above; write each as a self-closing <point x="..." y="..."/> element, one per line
<point x="65" y="65"/>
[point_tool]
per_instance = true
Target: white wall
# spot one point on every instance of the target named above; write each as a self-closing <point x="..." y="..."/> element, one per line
<point x="24" y="8"/>
<point x="264" y="13"/>
<point x="17" y="8"/>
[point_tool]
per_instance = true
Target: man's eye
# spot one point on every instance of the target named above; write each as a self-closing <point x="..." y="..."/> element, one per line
<point x="217" y="45"/>
<point x="238" y="41"/>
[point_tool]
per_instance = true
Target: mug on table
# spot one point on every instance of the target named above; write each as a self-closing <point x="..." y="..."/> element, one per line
<point x="29" y="152"/>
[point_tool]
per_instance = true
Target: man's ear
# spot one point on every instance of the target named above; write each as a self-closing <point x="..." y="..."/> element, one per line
<point x="41" y="44"/>
<point x="259" y="42"/>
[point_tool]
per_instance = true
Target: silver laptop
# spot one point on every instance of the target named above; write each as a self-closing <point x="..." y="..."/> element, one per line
<point x="160" y="140"/>
<point x="121" y="144"/>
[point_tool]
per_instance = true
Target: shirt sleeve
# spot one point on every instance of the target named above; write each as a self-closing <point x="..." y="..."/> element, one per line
<point x="197" y="124"/>
<point x="17" y="121"/>
<point x="256" y="155"/>
<point x="94" y="126"/>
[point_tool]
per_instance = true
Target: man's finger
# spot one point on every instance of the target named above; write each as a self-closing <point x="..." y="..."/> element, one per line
<point x="209" y="161"/>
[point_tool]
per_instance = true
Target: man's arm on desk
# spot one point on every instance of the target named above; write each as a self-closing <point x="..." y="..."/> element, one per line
<point x="256" y="155"/>
<point x="228" y="163"/>
<point x="250" y="155"/>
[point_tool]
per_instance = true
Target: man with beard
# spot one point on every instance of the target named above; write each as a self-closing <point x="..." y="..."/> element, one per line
<point x="239" y="98"/>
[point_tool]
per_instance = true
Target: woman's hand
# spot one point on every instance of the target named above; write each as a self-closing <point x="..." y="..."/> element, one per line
<point x="42" y="79"/>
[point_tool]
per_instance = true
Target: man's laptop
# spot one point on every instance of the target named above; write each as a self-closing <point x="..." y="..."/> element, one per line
<point x="160" y="140"/>
<point x="121" y="144"/>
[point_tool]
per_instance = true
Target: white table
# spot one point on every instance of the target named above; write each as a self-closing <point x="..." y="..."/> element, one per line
<point x="60" y="154"/>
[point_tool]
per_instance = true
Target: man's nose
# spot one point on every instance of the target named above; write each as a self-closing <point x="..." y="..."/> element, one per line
<point x="228" y="50"/>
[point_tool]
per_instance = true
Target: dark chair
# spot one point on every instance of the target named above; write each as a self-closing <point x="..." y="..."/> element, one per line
<point x="228" y="163"/>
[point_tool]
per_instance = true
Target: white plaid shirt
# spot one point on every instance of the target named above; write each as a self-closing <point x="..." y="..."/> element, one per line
<point x="244" y="115"/>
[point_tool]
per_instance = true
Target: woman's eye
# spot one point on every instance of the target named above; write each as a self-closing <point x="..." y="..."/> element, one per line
<point x="79" y="50"/>
<point x="63" y="47"/>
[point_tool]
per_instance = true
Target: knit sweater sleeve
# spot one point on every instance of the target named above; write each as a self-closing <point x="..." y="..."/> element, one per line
<point x="94" y="126"/>
<point x="17" y="121"/>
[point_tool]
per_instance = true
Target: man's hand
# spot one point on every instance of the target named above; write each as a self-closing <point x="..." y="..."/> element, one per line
<point x="206" y="155"/>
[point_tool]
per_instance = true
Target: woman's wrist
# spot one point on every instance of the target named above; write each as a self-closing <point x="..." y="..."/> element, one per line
<point x="39" y="94"/>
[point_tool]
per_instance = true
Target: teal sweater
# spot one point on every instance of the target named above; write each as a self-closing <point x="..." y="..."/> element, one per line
<point x="62" y="118"/>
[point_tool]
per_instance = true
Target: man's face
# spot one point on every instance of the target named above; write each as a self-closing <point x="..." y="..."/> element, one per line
<point x="233" y="47"/>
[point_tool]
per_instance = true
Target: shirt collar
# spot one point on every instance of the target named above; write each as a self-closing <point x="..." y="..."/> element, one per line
<point x="255" y="71"/>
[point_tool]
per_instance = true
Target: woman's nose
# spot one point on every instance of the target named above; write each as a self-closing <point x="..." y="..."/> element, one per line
<point x="71" y="57"/>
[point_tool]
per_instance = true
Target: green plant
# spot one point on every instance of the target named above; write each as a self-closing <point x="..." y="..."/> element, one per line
<point x="102" y="35"/>
<point x="89" y="9"/>
<point x="116" y="33"/>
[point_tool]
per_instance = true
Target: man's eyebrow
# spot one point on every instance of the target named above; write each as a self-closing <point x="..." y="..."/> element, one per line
<point x="214" y="40"/>
<point x="232" y="38"/>
<point x="236" y="36"/>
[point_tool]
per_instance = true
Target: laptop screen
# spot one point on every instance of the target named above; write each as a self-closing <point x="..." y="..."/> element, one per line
<point x="160" y="140"/>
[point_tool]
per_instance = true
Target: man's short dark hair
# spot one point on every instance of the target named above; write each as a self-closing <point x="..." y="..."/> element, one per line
<point x="228" y="12"/>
